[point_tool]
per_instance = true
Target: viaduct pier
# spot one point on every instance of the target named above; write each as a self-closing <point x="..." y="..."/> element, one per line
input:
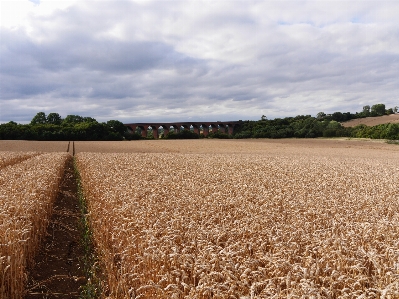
<point x="197" y="127"/>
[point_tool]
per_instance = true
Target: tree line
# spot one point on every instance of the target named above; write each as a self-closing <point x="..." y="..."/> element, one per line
<point x="75" y="127"/>
<point x="72" y="127"/>
<point x="323" y="125"/>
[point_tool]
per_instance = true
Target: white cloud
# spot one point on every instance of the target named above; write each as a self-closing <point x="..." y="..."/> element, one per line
<point x="176" y="60"/>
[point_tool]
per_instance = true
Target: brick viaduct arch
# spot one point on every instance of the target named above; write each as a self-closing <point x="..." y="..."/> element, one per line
<point x="224" y="126"/>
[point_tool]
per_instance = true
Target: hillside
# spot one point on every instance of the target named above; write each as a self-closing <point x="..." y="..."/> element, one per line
<point x="372" y="121"/>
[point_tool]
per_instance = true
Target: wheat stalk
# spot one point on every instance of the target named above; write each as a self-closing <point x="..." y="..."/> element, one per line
<point x="244" y="225"/>
<point x="28" y="190"/>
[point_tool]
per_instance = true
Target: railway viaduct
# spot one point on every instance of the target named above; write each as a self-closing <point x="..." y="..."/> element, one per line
<point x="221" y="126"/>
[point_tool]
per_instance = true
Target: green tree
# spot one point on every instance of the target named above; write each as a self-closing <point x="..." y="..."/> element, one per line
<point x="39" y="118"/>
<point x="392" y="131"/>
<point x="117" y="126"/>
<point x="334" y="125"/>
<point x="54" y="119"/>
<point x="378" y="110"/>
<point x="92" y="131"/>
<point x="366" y="110"/>
<point x="150" y="134"/>
<point x="89" y="119"/>
<point x="72" y="119"/>
<point x="339" y="116"/>
<point x="389" y="111"/>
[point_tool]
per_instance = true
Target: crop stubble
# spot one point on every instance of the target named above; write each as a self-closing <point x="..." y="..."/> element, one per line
<point x="322" y="224"/>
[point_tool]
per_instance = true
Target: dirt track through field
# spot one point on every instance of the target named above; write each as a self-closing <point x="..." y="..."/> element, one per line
<point x="58" y="270"/>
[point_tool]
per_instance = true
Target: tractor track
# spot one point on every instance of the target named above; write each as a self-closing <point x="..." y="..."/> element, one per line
<point x="58" y="268"/>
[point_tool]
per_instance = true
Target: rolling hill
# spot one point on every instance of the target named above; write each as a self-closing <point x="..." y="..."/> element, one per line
<point x="372" y="121"/>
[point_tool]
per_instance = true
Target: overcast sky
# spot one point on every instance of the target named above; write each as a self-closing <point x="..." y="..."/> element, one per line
<point x="139" y="61"/>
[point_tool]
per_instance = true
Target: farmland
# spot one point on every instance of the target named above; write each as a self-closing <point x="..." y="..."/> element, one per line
<point x="245" y="225"/>
<point x="239" y="219"/>
<point x="373" y="121"/>
<point x="9" y="158"/>
<point x="347" y="147"/>
<point x="29" y="184"/>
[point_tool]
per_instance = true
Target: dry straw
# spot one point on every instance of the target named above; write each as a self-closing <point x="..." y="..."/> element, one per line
<point x="28" y="190"/>
<point x="244" y="225"/>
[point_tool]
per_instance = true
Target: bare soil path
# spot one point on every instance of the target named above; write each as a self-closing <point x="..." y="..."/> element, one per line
<point x="58" y="268"/>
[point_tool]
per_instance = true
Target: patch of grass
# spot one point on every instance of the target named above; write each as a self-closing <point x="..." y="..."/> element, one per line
<point x="393" y="142"/>
<point x="93" y="288"/>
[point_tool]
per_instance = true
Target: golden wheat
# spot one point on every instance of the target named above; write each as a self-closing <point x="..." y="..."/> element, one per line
<point x="245" y="225"/>
<point x="32" y="145"/>
<point x="9" y="158"/>
<point x="345" y="147"/>
<point x="27" y="192"/>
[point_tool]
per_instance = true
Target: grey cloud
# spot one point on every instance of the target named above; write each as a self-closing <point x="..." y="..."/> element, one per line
<point x="90" y="62"/>
<point x="173" y="60"/>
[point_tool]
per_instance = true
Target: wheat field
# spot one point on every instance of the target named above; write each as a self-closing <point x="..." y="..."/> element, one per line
<point x="29" y="184"/>
<point x="9" y="158"/>
<point x="33" y="146"/>
<point x="216" y="218"/>
<point x="278" y="223"/>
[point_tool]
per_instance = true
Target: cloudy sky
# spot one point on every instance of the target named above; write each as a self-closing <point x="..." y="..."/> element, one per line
<point x="138" y="61"/>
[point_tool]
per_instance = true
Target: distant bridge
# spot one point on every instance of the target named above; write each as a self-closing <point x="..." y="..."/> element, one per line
<point x="204" y="127"/>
